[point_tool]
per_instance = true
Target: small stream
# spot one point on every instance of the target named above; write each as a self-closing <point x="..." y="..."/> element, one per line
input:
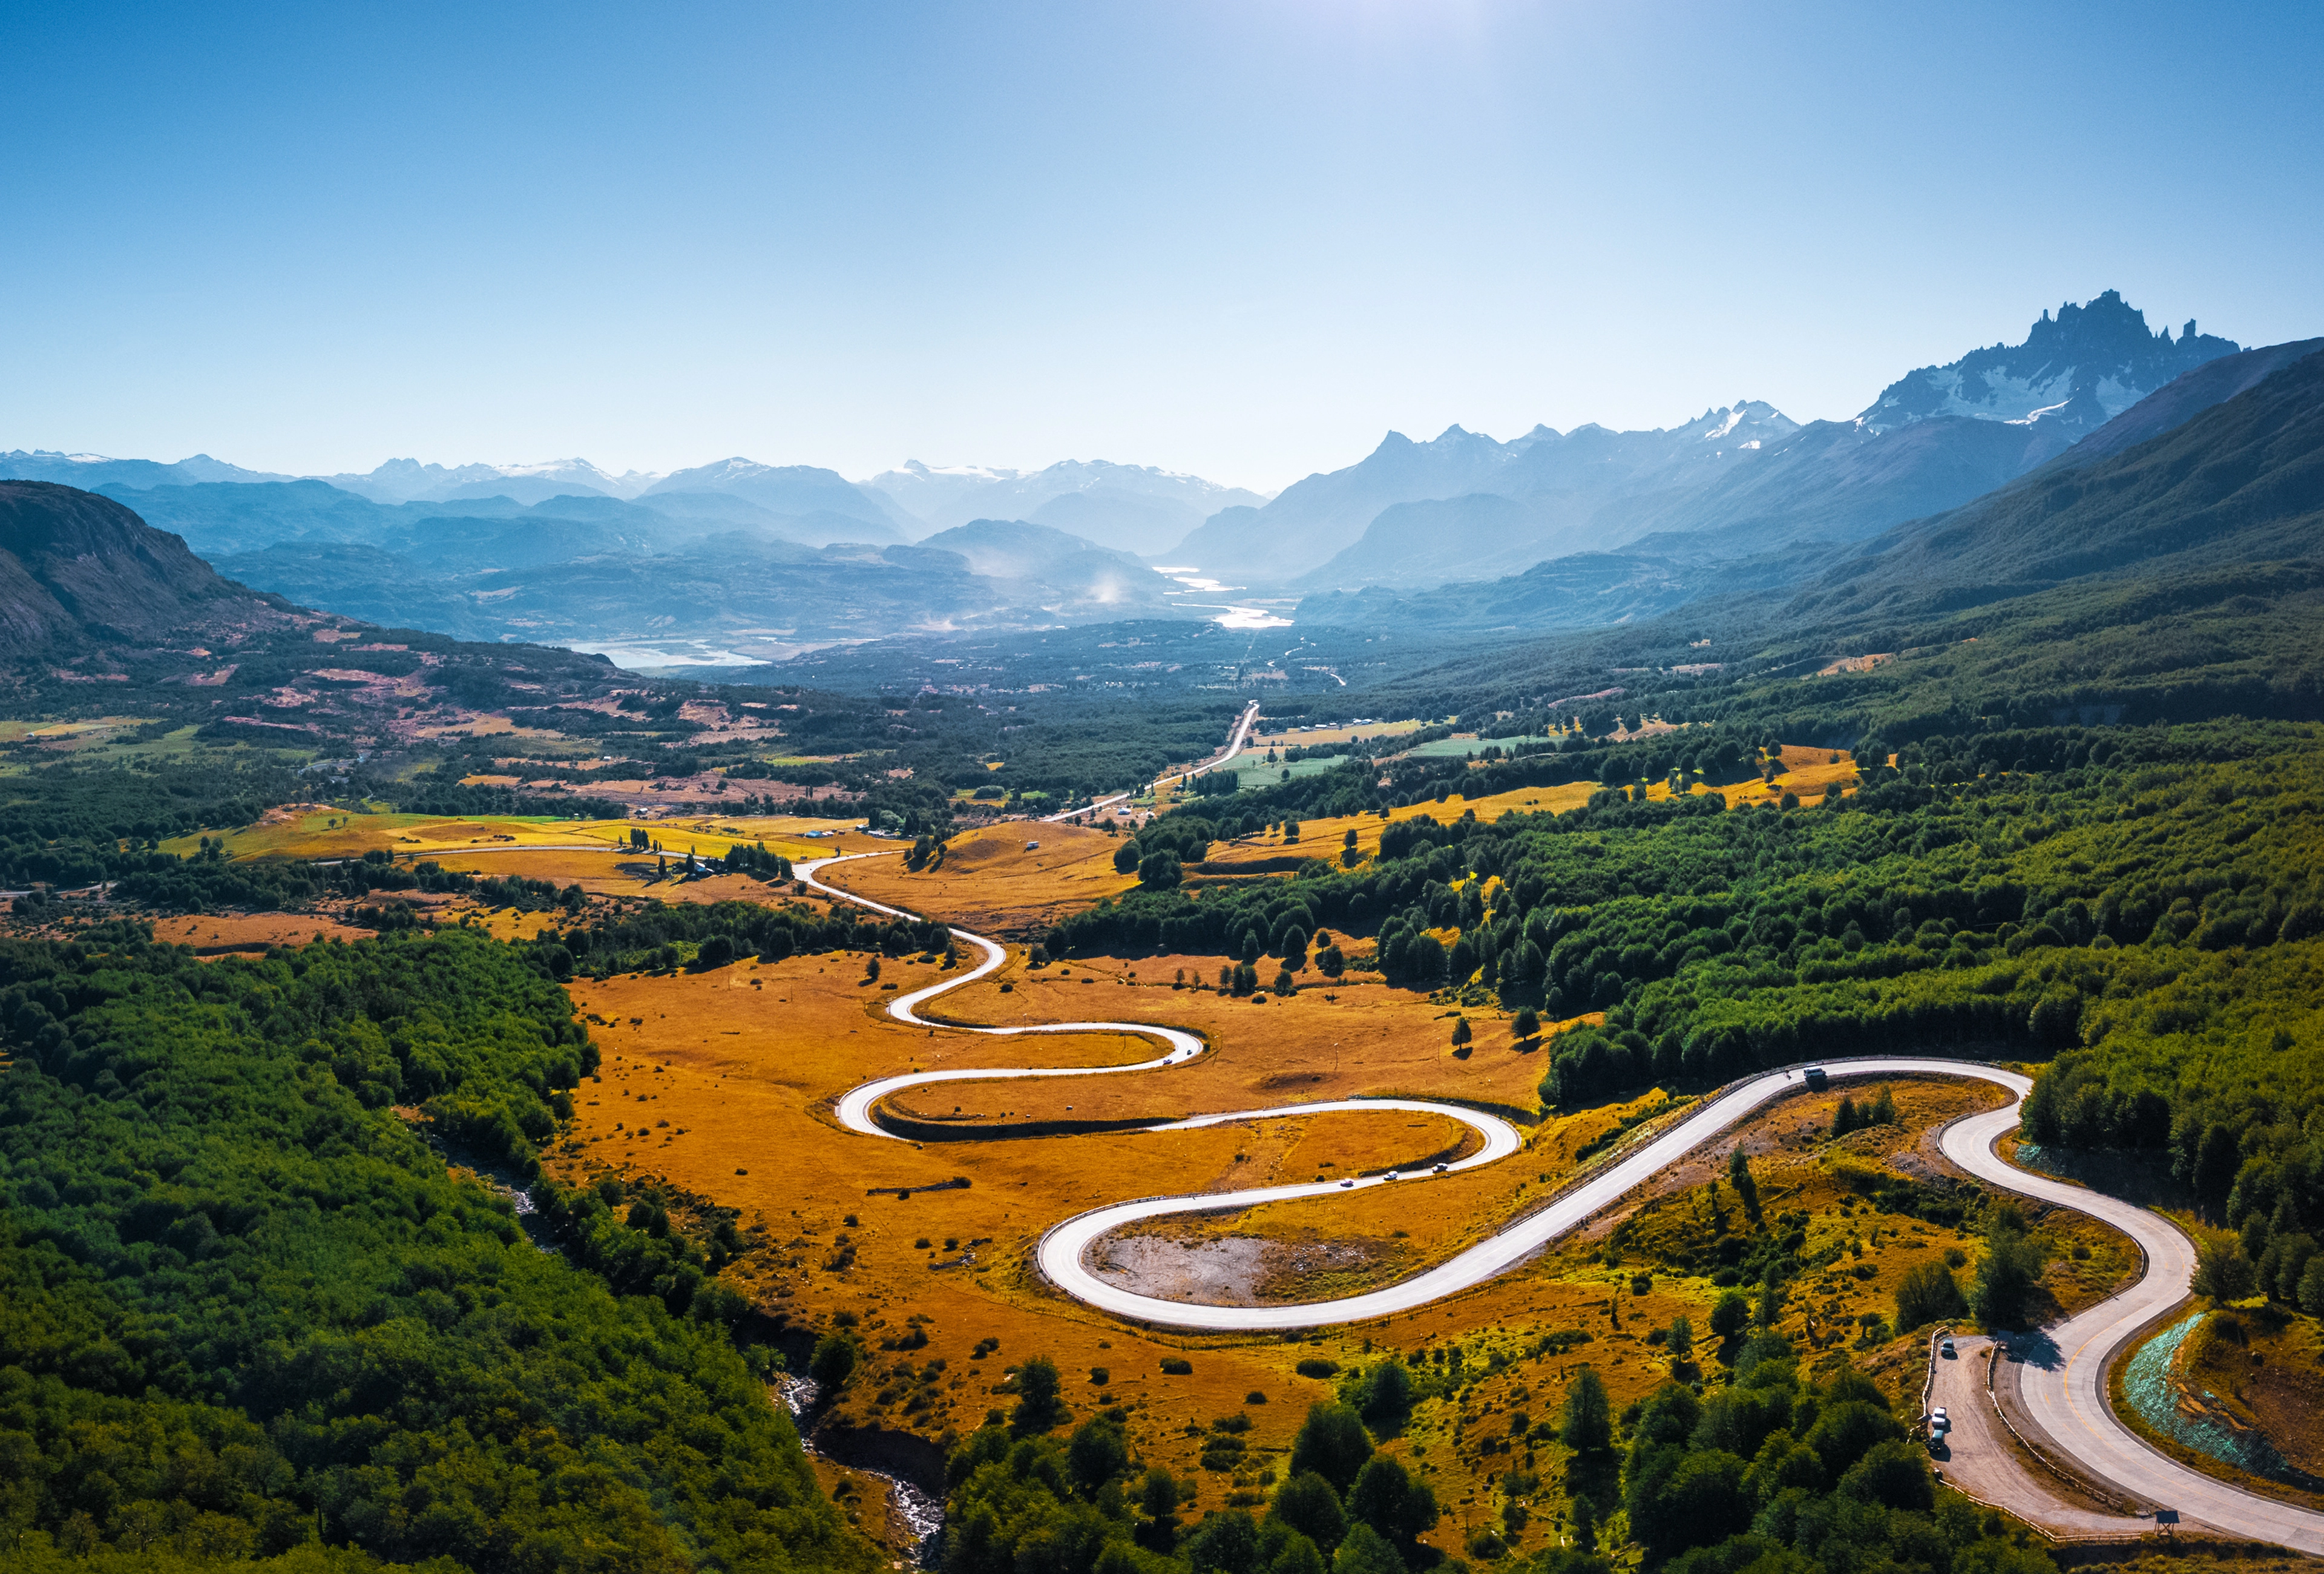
<point x="915" y="1507"/>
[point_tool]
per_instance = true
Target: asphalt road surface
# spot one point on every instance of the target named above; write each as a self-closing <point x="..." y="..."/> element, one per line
<point x="2064" y="1371"/>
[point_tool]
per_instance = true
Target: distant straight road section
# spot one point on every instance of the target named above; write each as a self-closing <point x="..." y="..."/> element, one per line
<point x="1236" y="739"/>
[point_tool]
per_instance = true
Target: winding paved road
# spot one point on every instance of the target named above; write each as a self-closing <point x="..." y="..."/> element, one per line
<point x="2065" y="1369"/>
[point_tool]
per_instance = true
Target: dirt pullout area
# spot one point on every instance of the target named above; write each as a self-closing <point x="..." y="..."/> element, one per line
<point x="1225" y="1270"/>
<point x="1979" y="1457"/>
<point x="1220" y="1273"/>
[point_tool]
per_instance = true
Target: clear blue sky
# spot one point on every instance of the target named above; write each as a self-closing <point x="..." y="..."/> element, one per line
<point x="1241" y="239"/>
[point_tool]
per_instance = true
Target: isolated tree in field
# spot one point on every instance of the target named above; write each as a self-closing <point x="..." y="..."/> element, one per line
<point x="872" y="970"/>
<point x="1682" y="1339"/>
<point x="1586" y="1425"/>
<point x="1738" y="1176"/>
<point x="1332" y="1443"/>
<point x="1385" y="1400"/>
<point x="1461" y="1031"/>
<point x="1846" y="1119"/>
<point x="1926" y="1295"/>
<point x="1295" y="947"/>
<point x="1771" y="1298"/>
<point x="1038" y="1407"/>
<point x="1526" y="1025"/>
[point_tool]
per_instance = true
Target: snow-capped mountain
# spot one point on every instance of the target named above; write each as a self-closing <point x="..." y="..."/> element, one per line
<point x="1499" y="505"/>
<point x="2079" y="369"/>
<point x="411" y="481"/>
<point x="91" y="471"/>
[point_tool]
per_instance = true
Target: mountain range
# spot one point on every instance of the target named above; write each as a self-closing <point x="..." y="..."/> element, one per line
<point x="1128" y="507"/>
<point x="1464" y="506"/>
<point x="1121" y="507"/>
<point x="2173" y="550"/>
<point x="1552" y="529"/>
<point x="2224" y="465"/>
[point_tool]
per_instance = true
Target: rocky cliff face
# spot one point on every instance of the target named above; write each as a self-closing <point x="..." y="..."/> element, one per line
<point x="2077" y="370"/>
<point x="76" y="567"/>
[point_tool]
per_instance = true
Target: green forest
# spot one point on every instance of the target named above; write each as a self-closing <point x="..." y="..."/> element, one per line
<point x="2147" y="904"/>
<point x="250" y="1312"/>
<point x="1772" y="1472"/>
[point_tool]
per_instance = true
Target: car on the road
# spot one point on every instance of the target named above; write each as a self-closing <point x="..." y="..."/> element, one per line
<point x="1945" y="1349"/>
<point x="1349" y="1181"/>
<point x="1440" y="1169"/>
<point x="1938" y="1421"/>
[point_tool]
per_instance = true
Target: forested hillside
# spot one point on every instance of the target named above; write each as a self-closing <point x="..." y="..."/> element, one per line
<point x="246" y="1304"/>
<point x="2138" y="895"/>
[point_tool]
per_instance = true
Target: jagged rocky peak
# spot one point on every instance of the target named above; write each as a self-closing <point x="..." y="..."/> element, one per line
<point x="1744" y="424"/>
<point x="2080" y="369"/>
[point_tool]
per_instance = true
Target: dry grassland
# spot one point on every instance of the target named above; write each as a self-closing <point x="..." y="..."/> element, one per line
<point x="1262" y="740"/>
<point x="314" y="830"/>
<point x="219" y="934"/>
<point x="991" y="881"/>
<point x="736" y="1071"/>
<point x="750" y="1056"/>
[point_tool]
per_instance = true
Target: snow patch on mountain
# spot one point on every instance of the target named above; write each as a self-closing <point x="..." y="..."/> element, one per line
<point x="2080" y="368"/>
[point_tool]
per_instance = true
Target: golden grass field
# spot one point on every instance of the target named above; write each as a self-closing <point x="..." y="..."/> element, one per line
<point x="736" y="1071"/>
<point x="315" y="830"/>
<point x="752" y="1057"/>
<point x="991" y="881"/>
<point x="1263" y="737"/>
<point x="723" y="1083"/>
<point x="221" y="933"/>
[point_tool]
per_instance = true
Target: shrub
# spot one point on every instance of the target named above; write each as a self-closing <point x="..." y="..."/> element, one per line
<point x="1926" y="1295"/>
